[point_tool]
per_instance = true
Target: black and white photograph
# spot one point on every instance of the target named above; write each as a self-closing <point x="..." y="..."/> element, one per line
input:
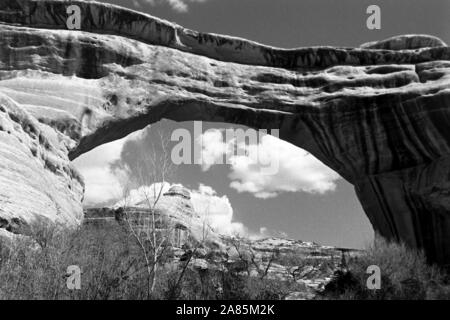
<point x="228" y="156"/>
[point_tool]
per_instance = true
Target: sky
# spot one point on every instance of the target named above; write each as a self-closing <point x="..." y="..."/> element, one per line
<point x="305" y="200"/>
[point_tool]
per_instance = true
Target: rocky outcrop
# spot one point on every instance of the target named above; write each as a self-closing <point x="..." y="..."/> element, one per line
<point x="37" y="180"/>
<point x="173" y="212"/>
<point x="409" y="42"/>
<point x="178" y="191"/>
<point x="307" y="266"/>
<point x="378" y="114"/>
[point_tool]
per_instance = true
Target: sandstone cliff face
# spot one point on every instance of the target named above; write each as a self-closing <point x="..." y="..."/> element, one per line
<point x="378" y="114"/>
<point x="37" y="180"/>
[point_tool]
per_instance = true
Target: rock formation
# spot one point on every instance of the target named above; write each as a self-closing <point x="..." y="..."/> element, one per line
<point x="174" y="214"/>
<point x="378" y="114"/>
<point x="211" y="252"/>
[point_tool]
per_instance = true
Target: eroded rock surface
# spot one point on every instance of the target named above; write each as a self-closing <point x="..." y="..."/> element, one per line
<point x="37" y="180"/>
<point x="378" y="114"/>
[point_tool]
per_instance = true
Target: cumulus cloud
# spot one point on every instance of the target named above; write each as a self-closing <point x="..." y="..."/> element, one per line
<point x="177" y="5"/>
<point x="141" y="194"/>
<point x="291" y="168"/>
<point x="102" y="183"/>
<point x="213" y="148"/>
<point x="216" y="211"/>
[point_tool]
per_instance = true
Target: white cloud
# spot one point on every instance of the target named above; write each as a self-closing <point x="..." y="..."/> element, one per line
<point x="103" y="185"/>
<point x="140" y="194"/>
<point x="296" y="169"/>
<point x="177" y="5"/>
<point x="213" y="148"/>
<point x="216" y="210"/>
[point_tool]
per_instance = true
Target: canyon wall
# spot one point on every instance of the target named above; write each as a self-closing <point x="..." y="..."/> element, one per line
<point x="378" y="114"/>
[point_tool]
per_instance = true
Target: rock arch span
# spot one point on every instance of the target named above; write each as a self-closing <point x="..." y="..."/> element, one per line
<point x="378" y="114"/>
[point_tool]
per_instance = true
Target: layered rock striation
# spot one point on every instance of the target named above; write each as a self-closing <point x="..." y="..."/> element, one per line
<point x="378" y="114"/>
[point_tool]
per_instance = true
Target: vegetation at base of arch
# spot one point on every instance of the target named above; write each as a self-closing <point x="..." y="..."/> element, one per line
<point x="112" y="268"/>
<point x="405" y="275"/>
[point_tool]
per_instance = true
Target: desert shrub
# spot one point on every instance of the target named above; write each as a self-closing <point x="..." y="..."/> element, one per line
<point x="271" y="289"/>
<point x="191" y="287"/>
<point x="223" y="284"/>
<point x="405" y="275"/>
<point x="35" y="267"/>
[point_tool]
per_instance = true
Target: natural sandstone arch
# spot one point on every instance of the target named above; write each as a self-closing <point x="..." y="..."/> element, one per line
<point x="378" y="117"/>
